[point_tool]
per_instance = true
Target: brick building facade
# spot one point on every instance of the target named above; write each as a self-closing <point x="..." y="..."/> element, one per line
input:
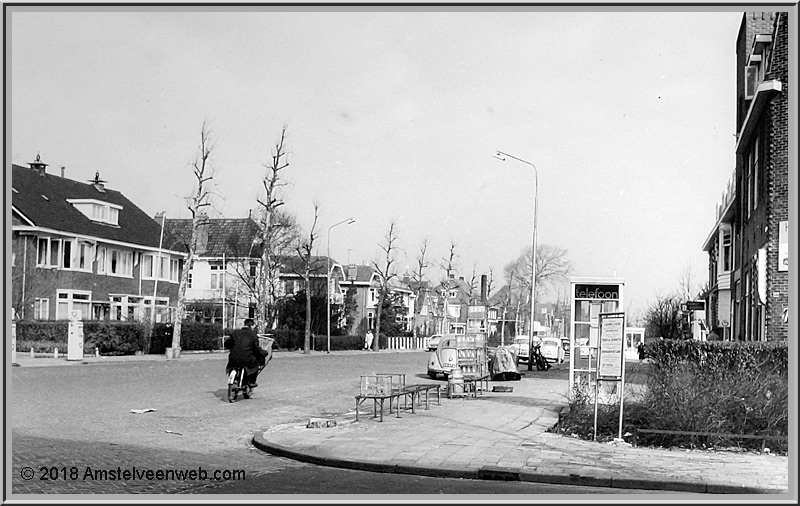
<point x="748" y="247"/>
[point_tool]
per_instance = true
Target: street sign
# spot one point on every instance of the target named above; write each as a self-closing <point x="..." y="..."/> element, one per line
<point x="695" y="305"/>
<point x="610" y="363"/>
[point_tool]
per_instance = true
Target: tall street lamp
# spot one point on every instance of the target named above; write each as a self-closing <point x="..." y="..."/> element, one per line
<point x="328" y="290"/>
<point x="502" y="156"/>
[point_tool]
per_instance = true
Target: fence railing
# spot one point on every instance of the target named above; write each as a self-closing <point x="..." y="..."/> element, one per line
<point x="406" y="343"/>
<point x="763" y="439"/>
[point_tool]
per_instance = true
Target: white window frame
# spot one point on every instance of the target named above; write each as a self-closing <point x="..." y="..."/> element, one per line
<point x="41" y="308"/>
<point x="124" y="262"/>
<point x="102" y="258"/>
<point x="217" y="276"/>
<point x="98" y="210"/>
<point x="52" y="251"/>
<point x="149" y="265"/>
<point x="84" y="299"/>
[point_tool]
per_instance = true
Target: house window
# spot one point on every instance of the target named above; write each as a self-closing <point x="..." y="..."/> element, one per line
<point x="217" y="276"/>
<point x="454" y="311"/>
<point x="189" y="280"/>
<point x="453" y="294"/>
<point x="727" y="251"/>
<point x="41" y="309"/>
<point x="72" y="300"/>
<point x="174" y="269"/>
<point x="97" y="210"/>
<point x="102" y="255"/>
<point x="373" y="296"/>
<point x="48" y="254"/>
<point x="756" y="170"/>
<point x="161" y="267"/>
<point x="83" y="256"/>
<point x="115" y="262"/>
<point x="67" y="257"/>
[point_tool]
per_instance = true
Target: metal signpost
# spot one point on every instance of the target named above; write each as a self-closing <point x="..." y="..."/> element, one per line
<point x="611" y="359"/>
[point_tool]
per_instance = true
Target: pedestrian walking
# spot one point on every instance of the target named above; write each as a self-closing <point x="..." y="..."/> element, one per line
<point x="368" y="340"/>
<point x="641" y="350"/>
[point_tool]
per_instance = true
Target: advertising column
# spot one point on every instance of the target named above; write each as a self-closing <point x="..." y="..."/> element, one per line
<point x="590" y="296"/>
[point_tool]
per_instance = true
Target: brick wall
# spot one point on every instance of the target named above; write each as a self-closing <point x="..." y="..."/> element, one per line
<point x="778" y="187"/>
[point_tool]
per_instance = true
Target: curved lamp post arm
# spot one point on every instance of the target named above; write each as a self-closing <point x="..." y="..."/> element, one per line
<point x="348" y="221"/>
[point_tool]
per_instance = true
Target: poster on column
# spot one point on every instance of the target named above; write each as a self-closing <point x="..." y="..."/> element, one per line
<point x="612" y="343"/>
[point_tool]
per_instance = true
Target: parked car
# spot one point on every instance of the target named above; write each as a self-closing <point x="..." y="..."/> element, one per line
<point x="521" y="346"/>
<point x="444" y="357"/>
<point x="433" y="342"/>
<point x="552" y="349"/>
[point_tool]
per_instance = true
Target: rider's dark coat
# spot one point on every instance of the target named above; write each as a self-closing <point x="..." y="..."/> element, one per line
<point x="245" y="351"/>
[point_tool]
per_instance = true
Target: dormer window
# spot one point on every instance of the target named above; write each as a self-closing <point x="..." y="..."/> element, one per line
<point x="98" y="210"/>
<point x="757" y="64"/>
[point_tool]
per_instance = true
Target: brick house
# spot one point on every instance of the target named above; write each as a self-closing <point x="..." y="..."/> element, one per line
<point x="358" y="285"/>
<point x="222" y="279"/>
<point x="748" y="247"/>
<point x="82" y="246"/>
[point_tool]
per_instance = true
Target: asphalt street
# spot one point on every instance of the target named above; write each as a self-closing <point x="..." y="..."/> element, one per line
<point x="73" y="431"/>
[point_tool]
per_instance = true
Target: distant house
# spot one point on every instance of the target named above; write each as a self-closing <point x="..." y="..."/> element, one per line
<point x="222" y="280"/>
<point x="359" y="285"/>
<point x="83" y="247"/>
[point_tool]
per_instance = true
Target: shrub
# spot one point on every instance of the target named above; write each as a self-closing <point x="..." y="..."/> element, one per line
<point x="711" y="387"/>
<point x="41" y="346"/>
<point x="114" y="338"/>
<point x="34" y="331"/>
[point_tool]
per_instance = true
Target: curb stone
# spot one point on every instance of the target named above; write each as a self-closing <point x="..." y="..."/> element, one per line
<point x="497" y="473"/>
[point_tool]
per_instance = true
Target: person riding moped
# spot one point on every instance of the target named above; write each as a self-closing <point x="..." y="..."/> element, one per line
<point x="246" y="352"/>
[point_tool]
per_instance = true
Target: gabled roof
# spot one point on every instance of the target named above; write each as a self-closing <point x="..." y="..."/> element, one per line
<point x="358" y="273"/>
<point x="295" y="265"/>
<point x="235" y="237"/>
<point x="42" y="201"/>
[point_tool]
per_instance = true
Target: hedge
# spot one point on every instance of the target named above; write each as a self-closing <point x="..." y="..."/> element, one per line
<point x="117" y="338"/>
<point x="722" y="356"/>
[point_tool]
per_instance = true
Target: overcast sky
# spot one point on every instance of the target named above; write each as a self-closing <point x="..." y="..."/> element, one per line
<point x="629" y="118"/>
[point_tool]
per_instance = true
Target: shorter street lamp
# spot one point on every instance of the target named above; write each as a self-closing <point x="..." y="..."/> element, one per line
<point x="348" y="221"/>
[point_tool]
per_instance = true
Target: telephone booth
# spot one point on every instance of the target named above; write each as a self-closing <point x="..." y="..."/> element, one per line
<point x="590" y="296"/>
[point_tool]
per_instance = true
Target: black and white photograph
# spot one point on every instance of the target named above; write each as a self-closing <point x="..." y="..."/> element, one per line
<point x="400" y="253"/>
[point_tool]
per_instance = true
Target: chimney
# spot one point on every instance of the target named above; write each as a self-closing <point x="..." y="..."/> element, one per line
<point x="62" y="171"/>
<point x="38" y="166"/>
<point x="98" y="183"/>
<point x="483" y="288"/>
<point x="202" y="229"/>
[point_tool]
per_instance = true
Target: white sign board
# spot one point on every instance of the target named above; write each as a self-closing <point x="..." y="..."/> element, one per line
<point x="783" y="246"/>
<point x="612" y="345"/>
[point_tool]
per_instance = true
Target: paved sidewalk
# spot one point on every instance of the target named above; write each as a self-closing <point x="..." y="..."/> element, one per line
<point x="503" y="436"/>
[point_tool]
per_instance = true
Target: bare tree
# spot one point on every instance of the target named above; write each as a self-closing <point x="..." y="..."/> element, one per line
<point x="247" y="261"/>
<point x="197" y="203"/>
<point x="418" y="285"/>
<point x="305" y="249"/>
<point x="688" y="287"/>
<point x="386" y="273"/>
<point x="663" y="317"/>
<point x="449" y="263"/>
<point x="271" y="236"/>
<point x="551" y="268"/>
